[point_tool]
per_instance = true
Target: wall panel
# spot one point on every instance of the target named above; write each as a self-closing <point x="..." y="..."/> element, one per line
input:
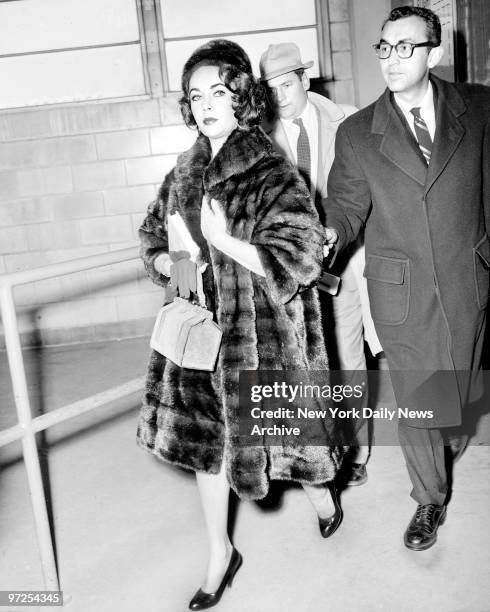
<point x="41" y="25"/>
<point x="217" y="16"/>
<point x="69" y="76"/>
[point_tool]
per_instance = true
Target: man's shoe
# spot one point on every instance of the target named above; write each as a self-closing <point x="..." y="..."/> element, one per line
<point x="421" y="533"/>
<point x="358" y="475"/>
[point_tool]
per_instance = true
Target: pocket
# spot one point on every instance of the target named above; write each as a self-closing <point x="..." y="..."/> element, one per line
<point x="481" y="263"/>
<point x="388" y="288"/>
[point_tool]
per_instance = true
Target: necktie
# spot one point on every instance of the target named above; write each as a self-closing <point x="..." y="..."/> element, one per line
<point x="303" y="151"/>
<point x="422" y="134"/>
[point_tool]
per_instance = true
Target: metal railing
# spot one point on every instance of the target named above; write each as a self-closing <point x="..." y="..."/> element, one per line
<point x="28" y="426"/>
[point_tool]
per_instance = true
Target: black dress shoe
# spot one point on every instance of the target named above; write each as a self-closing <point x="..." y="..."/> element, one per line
<point x="358" y="475"/>
<point x="421" y="533"/>
<point x="203" y="600"/>
<point x="328" y="526"/>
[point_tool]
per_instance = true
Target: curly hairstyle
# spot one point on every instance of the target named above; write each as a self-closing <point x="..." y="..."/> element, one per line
<point x="432" y="22"/>
<point x="236" y="72"/>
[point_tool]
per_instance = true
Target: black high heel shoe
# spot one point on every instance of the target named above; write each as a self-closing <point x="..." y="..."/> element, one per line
<point x="328" y="526"/>
<point x="203" y="600"/>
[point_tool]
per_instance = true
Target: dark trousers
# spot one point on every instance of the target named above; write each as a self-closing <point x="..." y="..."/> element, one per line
<point x="423" y="450"/>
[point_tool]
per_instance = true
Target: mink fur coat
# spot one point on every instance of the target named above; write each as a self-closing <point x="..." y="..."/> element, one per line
<point x="189" y="417"/>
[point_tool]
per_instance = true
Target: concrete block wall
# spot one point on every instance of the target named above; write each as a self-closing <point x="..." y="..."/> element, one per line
<point x="76" y="181"/>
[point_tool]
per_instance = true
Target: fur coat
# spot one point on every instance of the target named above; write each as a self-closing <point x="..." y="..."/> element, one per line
<point x="190" y="417"/>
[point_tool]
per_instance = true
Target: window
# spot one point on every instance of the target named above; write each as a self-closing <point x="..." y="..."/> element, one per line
<point x="253" y="25"/>
<point x="55" y="51"/>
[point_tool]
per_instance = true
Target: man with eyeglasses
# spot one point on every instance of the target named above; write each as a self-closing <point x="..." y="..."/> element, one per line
<point x="413" y="168"/>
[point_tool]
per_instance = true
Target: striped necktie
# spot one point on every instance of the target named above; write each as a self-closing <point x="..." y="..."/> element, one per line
<point x="422" y="134"/>
<point x="303" y="151"/>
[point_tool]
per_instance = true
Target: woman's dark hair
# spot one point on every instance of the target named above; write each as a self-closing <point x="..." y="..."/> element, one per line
<point x="432" y="22"/>
<point x="235" y="70"/>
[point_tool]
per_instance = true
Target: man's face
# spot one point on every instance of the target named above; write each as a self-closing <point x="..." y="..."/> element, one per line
<point x="407" y="76"/>
<point x="288" y="94"/>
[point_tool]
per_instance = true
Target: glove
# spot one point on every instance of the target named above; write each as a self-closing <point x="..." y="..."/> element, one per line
<point x="183" y="273"/>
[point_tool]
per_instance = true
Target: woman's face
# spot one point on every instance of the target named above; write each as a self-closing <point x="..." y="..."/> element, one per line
<point x="211" y="104"/>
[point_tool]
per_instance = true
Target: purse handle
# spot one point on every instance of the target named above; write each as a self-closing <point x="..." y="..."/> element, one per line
<point x="200" y="290"/>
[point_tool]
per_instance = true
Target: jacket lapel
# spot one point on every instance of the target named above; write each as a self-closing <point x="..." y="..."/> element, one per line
<point x="449" y="130"/>
<point x="395" y="144"/>
<point x="326" y="141"/>
<point x="281" y="143"/>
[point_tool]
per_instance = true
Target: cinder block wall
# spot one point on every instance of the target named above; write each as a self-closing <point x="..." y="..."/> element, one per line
<point x="76" y="181"/>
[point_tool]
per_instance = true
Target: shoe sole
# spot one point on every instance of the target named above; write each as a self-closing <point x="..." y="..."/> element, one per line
<point x="418" y="547"/>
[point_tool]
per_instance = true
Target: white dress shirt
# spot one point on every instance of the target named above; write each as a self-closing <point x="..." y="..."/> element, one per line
<point x="427" y="111"/>
<point x="310" y="121"/>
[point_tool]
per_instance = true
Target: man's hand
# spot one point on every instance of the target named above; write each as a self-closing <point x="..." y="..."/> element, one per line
<point x="331" y="237"/>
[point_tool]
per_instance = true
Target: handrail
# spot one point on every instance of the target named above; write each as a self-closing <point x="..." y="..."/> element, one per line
<point x="27" y="427"/>
<point x="68" y="267"/>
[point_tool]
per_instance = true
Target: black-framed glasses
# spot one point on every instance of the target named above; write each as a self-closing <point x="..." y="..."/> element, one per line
<point x="404" y="50"/>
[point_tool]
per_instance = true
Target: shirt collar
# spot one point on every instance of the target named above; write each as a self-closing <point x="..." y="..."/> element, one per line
<point x="426" y="104"/>
<point x="305" y="115"/>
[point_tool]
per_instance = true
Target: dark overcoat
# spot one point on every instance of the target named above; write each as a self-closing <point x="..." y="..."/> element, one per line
<point x="190" y="417"/>
<point x="427" y="240"/>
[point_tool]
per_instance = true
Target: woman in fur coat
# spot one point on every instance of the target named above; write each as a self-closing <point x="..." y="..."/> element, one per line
<point x="259" y="234"/>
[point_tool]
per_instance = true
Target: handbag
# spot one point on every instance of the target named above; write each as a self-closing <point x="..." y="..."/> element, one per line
<point x="186" y="334"/>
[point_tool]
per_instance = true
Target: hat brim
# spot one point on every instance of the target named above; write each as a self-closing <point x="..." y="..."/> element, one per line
<point x="285" y="70"/>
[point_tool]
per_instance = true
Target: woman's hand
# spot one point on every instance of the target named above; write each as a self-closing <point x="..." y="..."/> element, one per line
<point x="213" y="227"/>
<point x="183" y="273"/>
<point x="213" y="221"/>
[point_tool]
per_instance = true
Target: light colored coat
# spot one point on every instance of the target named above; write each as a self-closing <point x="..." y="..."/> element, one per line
<point x="353" y="322"/>
<point x="330" y="116"/>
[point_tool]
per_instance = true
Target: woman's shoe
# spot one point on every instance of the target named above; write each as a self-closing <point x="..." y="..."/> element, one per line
<point x="203" y="600"/>
<point x="328" y="526"/>
<point x="358" y="475"/>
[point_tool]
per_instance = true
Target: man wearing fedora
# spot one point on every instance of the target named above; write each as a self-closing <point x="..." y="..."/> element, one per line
<point x="303" y="130"/>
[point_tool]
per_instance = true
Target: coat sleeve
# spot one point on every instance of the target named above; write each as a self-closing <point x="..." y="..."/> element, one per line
<point x="348" y="203"/>
<point x="287" y="234"/>
<point x="153" y="232"/>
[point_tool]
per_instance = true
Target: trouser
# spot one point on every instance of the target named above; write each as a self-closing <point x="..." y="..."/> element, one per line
<point x="353" y="322"/>
<point x="423" y="450"/>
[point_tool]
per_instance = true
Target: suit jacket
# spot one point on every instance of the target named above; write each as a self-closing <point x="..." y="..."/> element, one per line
<point x="427" y="238"/>
<point x="330" y="116"/>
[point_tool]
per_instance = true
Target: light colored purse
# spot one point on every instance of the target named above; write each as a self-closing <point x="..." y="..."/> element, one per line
<point x="186" y="334"/>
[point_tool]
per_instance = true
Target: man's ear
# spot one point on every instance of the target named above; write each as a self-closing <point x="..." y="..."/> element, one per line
<point x="305" y="79"/>
<point x="435" y="56"/>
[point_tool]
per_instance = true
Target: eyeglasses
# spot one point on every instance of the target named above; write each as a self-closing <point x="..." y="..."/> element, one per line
<point x="404" y="50"/>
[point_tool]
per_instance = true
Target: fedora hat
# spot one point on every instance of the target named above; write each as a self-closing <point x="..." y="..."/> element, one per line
<point x="281" y="59"/>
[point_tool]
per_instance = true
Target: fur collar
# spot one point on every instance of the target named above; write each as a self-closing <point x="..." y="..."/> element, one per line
<point x="241" y="151"/>
<point x="196" y="173"/>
